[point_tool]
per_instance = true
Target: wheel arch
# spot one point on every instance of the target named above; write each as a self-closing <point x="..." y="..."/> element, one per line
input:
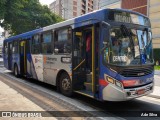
<point x="57" y="78"/>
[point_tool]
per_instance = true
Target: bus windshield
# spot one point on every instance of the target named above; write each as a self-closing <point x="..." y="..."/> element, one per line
<point x="130" y="47"/>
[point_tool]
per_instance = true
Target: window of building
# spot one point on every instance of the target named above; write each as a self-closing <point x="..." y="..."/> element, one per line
<point x="36" y="49"/>
<point x="47" y="43"/>
<point x="63" y="40"/>
<point x="74" y="2"/>
<point x="75" y="14"/>
<point x="74" y="8"/>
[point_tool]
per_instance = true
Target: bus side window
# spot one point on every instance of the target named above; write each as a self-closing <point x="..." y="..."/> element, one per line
<point x="15" y="47"/>
<point x="47" y="43"/>
<point x="5" y="48"/>
<point x="10" y="47"/>
<point x="36" y="49"/>
<point x="63" y="40"/>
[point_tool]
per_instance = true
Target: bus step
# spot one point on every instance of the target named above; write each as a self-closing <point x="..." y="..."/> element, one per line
<point x="86" y="93"/>
<point x="89" y="78"/>
<point x="88" y="86"/>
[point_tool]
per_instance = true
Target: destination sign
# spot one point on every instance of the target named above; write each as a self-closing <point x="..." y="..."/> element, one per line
<point x="122" y="18"/>
<point x="127" y="17"/>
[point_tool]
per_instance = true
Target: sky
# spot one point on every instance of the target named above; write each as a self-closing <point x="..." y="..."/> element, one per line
<point x="1" y="30"/>
<point x="46" y="2"/>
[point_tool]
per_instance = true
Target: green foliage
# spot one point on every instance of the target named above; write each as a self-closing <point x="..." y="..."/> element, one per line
<point x="156" y="67"/>
<point x="2" y="9"/>
<point x="21" y="16"/>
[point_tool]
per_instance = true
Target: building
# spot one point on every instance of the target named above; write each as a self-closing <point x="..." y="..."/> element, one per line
<point x="55" y="7"/>
<point x="64" y="8"/>
<point x="73" y="8"/>
<point x="95" y="4"/>
<point x="135" y="5"/>
<point x="84" y="6"/>
<point x="109" y="4"/>
<point x="154" y="15"/>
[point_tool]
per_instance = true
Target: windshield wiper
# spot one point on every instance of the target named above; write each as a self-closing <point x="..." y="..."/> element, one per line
<point x="125" y="30"/>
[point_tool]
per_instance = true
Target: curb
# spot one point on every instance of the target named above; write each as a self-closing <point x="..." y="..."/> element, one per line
<point x="154" y="96"/>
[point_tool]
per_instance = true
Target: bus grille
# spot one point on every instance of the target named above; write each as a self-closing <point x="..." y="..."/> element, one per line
<point x="136" y="72"/>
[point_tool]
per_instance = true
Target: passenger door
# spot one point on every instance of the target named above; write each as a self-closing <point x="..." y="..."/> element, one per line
<point x="23" y="58"/>
<point x="10" y="56"/>
<point x="85" y="60"/>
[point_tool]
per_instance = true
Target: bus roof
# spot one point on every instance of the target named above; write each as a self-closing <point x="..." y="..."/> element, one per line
<point x="95" y="15"/>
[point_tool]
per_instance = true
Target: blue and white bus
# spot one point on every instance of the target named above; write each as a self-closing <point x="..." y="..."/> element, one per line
<point x="106" y="55"/>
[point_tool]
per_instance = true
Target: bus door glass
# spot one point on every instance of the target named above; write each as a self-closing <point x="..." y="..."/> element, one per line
<point x="10" y="55"/>
<point x="84" y="61"/>
<point x="5" y="54"/>
<point x="23" y="57"/>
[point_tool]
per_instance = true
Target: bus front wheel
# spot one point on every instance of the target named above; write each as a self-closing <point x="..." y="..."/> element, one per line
<point x="16" y="71"/>
<point x="66" y="85"/>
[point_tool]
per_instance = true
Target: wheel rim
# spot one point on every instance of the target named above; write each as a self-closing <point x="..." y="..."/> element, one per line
<point x="66" y="85"/>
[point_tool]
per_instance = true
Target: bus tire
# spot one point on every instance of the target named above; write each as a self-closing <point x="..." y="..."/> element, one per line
<point x="65" y="85"/>
<point x="16" y="71"/>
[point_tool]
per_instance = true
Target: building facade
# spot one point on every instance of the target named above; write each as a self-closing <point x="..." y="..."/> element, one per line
<point x="55" y="7"/>
<point x="154" y="15"/>
<point x="73" y="8"/>
<point x="135" y="5"/>
<point x="109" y="4"/>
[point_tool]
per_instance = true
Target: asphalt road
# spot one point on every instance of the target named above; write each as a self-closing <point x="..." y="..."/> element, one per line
<point x="119" y="110"/>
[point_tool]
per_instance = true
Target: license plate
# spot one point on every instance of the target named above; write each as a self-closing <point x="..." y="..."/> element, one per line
<point x="141" y="91"/>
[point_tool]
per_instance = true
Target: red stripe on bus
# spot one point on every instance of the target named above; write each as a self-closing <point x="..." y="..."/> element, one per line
<point x="103" y="82"/>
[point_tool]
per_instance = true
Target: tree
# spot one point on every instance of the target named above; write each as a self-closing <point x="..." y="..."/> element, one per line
<point x="2" y="9"/>
<point x="21" y="16"/>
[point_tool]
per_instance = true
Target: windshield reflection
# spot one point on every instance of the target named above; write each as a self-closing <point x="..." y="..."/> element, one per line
<point x="134" y="47"/>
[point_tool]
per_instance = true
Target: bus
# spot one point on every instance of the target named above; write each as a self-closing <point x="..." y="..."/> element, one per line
<point x="106" y="55"/>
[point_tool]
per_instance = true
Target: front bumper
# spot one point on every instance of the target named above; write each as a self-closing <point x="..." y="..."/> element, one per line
<point x="114" y="93"/>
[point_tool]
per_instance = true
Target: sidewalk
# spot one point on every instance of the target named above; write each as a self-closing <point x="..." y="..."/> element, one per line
<point x="157" y="72"/>
<point x="11" y="100"/>
<point x="156" y="91"/>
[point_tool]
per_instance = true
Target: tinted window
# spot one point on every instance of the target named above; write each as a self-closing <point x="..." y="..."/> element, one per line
<point x="6" y="47"/>
<point x="36" y="44"/>
<point x="15" y="47"/>
<point x="47" y="43"/>
<point x="63" y="40"/>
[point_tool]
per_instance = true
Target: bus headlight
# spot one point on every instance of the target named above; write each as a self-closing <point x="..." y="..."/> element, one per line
<point x="119" y="84"/>
<point x="113" y="81"/>
<point x="109" y="79"/>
